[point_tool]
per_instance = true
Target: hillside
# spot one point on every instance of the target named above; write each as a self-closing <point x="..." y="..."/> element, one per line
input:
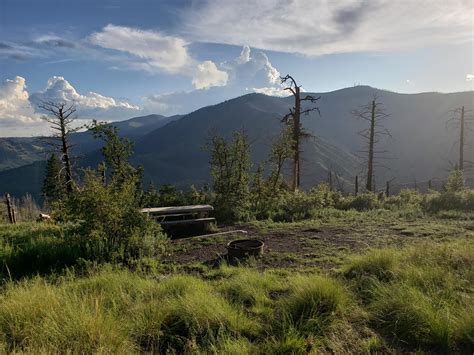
<point x="16" y="152"/>
<point x="176" y="153"/>
<point x="421" y="147"/>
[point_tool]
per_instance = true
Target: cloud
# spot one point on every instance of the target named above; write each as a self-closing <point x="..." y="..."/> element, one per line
<point x="155" y="52"/>
<point x="54" y="41"/>
<point x="249" y="72"/>
<point x="208" y="75"/>
<point x="16" y="111"/>
<point x="16" y="51"/>
<point x="20" y="116"/>
<point x="317" y="27"/>
<point x="90" y="105"/>
<point x="469" y="77"/>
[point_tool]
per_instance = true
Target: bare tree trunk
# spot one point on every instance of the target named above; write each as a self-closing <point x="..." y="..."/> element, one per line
<point x="294" y="120"/>
<point x="296" y="141"/>
<point x="65" y="153"/>
<point x="461" y="141"/>
<point x="60" y="119"/>
<point x="356" y="187"/>
<point x="370" y="165"/>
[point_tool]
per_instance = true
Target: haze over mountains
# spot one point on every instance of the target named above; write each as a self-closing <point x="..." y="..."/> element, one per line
<point x="171" y="149"/>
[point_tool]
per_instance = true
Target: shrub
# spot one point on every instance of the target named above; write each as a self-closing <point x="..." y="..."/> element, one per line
<point x="450" y="200"/>
<point x="110" y="221"/>
<point x="361" y="202"/>
<point x="455" y="181"/>
<point x="294" y="206"/>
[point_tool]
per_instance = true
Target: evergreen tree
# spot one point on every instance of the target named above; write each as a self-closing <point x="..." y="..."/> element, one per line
<point x="230" y="164"/>
<point x="53" y="184"/>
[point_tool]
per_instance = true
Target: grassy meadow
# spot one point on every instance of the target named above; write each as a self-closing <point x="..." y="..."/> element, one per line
<point x="375" y="281"/>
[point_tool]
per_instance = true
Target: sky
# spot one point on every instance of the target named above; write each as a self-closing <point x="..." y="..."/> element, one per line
<point x="120" y="59"/>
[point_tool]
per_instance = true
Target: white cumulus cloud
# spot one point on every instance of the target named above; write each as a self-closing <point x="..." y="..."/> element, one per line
<point x="249" y="72"/>
<point x="20" y="116"/>
<point x="317" y="27"/>
<point x="469" y="77"/>
<point x="90" y="105"/>
<point x="208" y="75"/>
<point x="16" y="111"/>
<point x="154" y="51"/>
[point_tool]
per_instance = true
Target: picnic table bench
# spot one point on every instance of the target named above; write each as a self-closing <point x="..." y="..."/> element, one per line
<point x="181" y="215"/>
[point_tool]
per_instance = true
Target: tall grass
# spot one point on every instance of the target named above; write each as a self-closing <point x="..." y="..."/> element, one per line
<point x="413" y="299"/>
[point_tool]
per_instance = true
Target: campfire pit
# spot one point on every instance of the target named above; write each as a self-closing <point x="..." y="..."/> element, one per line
<point x="244" y="248"/>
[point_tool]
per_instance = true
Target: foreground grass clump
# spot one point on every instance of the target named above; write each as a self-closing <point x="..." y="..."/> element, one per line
<point x="314" y="303"/>
<point x="419" y="298"/>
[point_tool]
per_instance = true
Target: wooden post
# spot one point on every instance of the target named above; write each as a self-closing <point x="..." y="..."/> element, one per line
<point x="387" y="189"/>
<point x="461" y="142"/>
<point x="10" y="209"/>
<point x="356" y="185"/>
<point x="330" y="180"/>
<point x="429" y="185"/>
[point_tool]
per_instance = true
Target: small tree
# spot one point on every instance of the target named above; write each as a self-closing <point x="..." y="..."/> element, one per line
<point x="230" y="164"/>
<point x="53" y="189"/>
<point x="60" y="117"/>
<point x="455" y="181"/>
<point x="116" y="151"/>
<point x="281" y="151"/>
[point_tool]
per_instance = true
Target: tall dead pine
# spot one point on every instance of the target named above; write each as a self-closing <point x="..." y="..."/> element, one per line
<point x="463" y="120"/>
<point x="60" y="118"/>
<point x="293" y="120"/>
<point x="374" y="114"/>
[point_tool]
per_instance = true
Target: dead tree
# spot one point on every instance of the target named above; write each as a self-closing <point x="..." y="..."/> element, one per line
<point x="374" y="114"/>
<point x="60" y="118"/>
<point x="462" y="119"/>
<point x="293" y="120"/>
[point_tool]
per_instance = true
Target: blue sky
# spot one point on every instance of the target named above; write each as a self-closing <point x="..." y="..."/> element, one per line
<point x="119" y="59"/>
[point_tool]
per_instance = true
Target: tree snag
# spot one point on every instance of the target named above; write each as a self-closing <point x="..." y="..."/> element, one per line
<point x="293" y="119"/>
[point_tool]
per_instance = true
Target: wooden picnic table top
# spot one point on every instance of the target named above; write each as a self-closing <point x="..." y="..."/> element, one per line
<point x="178" y="209"/>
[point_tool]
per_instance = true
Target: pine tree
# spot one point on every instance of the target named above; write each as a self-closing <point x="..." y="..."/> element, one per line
<point x="53" y="184"/>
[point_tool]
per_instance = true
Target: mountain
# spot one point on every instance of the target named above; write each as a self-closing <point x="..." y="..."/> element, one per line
<point x="175" y="153"/>
<point x="16" y="152"/>
<point x="420" y="149"/>
<point x="421" y="146"/>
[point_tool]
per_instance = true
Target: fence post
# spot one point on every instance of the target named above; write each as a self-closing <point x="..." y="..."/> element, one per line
<point x="356" y="185"/>
<point x="10" y="209"/>
<point x="387" y="189"/>
<point x="429" y="185"/>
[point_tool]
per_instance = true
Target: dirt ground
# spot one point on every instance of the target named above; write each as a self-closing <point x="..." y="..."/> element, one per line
<point x="312" y="244"/>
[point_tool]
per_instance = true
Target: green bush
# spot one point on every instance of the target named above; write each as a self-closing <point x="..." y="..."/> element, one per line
<point x="450" y="200"/>
<point x="361" y="202"/>
<point x="110" y="221"/>
<point x="299" y="205"/>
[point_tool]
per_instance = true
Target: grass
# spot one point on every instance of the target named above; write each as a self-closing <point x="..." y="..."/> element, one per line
<point x="358" y="282"/>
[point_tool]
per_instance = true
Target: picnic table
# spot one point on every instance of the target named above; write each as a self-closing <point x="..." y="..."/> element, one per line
<point x="181" y="215"/>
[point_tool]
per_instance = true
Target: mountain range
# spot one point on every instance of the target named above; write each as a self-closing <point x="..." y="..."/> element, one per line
<point x="172" y="149"/>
